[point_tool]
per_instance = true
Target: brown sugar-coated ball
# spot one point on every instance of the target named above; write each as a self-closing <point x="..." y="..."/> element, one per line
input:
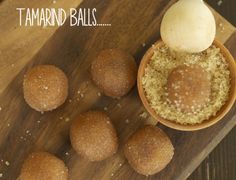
<point x="189" y="87"/>
<point x="43" y="166"/>
<point x="114" y="72"/>
<point x="148" y="150"/>
<point x="45" y="87"/>
<point x="93" y="136"/>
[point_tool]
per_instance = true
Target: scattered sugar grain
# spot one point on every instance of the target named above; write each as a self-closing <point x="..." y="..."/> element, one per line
<point x="67" y="154"/>
<point x="143" y="115"/>
<point x="67" y="119"/>
<point x="119" y="105"/>
<point x="105" y="108"/>
<point x="23" y="138"/>
<point x="219" y="2"/>
<point x="222" y="29"/>
<point x="1" y="175"/>
<point x="28" y="132"/>
<point x="7" y="163"/>
<point x="127" y="121"/>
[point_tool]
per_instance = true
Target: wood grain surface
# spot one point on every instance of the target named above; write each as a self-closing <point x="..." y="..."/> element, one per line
<point x="220" y="163"/>
<point x="19" y="44"/>
<point x="22" y="130"/>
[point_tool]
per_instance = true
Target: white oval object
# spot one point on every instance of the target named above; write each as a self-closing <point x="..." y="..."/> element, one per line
<point x="188" y="26"/>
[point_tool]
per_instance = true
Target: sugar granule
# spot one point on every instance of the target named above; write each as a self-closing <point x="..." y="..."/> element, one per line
<point x="7" y="163"/>
<point x="105" y="108"/>
<point x="67" y="119"/>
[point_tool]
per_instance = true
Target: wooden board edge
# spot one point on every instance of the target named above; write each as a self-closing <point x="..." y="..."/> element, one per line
<point x="218" y="138"/>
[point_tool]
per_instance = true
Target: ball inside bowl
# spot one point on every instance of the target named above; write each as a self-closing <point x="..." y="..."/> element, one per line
<point x="189" y="127"/>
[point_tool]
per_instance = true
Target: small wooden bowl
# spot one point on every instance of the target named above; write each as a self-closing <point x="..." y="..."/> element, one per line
<point x="212" y="120"/>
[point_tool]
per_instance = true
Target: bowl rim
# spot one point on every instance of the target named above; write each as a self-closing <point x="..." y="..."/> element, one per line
<point x="188" y="127"/>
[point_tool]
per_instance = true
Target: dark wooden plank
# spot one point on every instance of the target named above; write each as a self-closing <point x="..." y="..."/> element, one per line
<point x="73" y="49"/>
<point x="226" y="8"/>
<point x="220" y="163"/>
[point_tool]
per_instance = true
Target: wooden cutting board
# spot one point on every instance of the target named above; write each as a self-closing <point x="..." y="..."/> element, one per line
<point x="134" y="28"/>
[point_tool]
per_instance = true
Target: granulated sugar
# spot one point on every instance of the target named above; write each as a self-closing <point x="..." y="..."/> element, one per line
<point x="164" y="61"/>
